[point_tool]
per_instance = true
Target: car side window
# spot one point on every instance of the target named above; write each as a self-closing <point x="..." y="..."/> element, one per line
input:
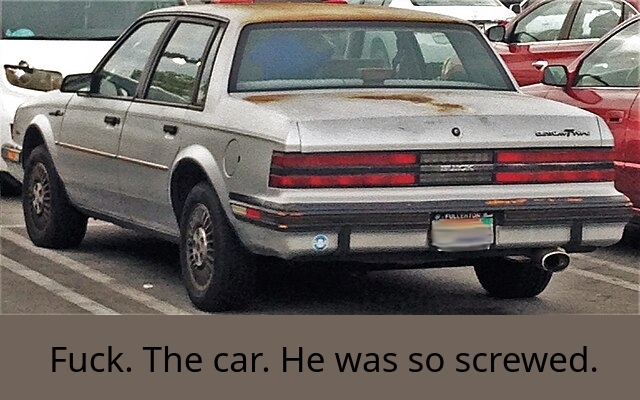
<point x="120" y="75"/>
<point x="175" y="77"/>
<point x="616" y="63"/>
<point x="542" y="24"/>
<point x="594" y="19"/>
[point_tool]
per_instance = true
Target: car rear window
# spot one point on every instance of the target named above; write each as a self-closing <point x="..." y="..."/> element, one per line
<point x="365" y="54"/>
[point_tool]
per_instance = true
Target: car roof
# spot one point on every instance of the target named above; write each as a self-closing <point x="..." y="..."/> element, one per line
<point x="294" y="12"/>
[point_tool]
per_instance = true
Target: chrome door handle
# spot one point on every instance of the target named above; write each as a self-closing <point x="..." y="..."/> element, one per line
<point x="540" y="64"/>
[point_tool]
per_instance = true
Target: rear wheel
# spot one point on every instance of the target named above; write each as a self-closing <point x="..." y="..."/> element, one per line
<point x="507" y="278"/>
<point x="217" y="270"/>
<point x="50" y="218"/>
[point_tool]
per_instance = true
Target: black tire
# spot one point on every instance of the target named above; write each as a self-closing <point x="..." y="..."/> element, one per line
<point x="50" y="218"/>
<point x="631" y="236"/>
<point x="512" y="279"/>
<point x="217" y="270"/>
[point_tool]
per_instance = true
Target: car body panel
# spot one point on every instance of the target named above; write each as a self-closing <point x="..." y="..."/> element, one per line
<point x="232" y="139"/>
<point x="520" y="57"/>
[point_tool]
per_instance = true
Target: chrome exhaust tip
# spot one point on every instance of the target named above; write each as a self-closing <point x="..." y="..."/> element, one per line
<point x="554" y="260"/>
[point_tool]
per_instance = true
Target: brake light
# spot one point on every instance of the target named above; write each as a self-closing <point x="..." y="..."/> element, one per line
<point x="555" y="176"/>
<point x="555" y="166"/>
<point x="327" y="181"/>
<point x="440" y="168"/>
<point x="342" y="160"/>
<point x="555" y="156"/>
<point x="325" y="170"/>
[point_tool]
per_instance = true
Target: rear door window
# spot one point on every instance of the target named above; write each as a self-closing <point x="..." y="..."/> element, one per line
<point x="175" y="77"/>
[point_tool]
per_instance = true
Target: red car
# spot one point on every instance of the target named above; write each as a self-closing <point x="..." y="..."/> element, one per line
<point x="606" y="81"/>
<point x="556" y="32"/>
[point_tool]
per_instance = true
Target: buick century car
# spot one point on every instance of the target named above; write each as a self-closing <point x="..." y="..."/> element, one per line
<point x="318" y="133"/>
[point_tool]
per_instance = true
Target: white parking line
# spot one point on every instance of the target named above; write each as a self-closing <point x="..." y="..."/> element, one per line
<point x="91" y="223"/>
<point x="605" y="263"/>
<point x="97" y="276"/>
<point x="605" y="278"/>
<point x="54" y="287"/>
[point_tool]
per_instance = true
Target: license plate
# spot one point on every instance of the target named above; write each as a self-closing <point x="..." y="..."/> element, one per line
<point x="462" y="231"/>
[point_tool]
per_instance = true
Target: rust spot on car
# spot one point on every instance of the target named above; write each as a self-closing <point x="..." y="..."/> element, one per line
<point x="505" y="202"/>
<point x="575" y="200"/>
<point x="413" y="98"/>
<point x="286" y="11"/>
<point x="268" y="98"/>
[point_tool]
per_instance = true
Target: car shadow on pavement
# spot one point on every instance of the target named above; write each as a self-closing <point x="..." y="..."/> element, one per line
<point x="135" y="258"/>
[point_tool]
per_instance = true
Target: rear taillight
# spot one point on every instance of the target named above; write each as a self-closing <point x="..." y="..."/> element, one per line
<point x="325" y="170"/>
<point x="439" y="168"/>
<point x="555" y="156"/>
<point x="547" y="166"/>
<point x="342" y="160"/>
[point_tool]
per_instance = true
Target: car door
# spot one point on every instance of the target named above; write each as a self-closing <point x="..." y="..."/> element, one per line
<point x="533" y="40"/>
<point x="155" y="122"/>
<point x="93" y="121"/>
<point x="607" y="83"/>
<point x="558" y="32"/>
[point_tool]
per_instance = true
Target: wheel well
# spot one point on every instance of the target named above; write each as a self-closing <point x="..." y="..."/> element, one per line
<point x="184" y="178"/>
<point x="32" y="139"/>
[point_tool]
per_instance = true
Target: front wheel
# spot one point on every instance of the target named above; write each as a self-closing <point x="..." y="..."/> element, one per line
<point x="217" y="270"/>
<point x="511" y="279"/>
<point x="52" y="221"/>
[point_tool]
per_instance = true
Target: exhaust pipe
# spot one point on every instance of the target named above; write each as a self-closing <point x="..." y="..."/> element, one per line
<point x="552" y="260"/>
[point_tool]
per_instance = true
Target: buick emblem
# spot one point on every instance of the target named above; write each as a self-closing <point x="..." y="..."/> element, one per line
<point x="458" y="168"/>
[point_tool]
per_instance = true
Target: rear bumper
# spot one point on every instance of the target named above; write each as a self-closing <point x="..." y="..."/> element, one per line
<point x="385" y="232"/>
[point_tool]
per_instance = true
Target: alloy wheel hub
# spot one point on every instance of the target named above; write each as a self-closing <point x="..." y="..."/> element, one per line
<point x="199" y="246"/>
<point x="38" y="198"/>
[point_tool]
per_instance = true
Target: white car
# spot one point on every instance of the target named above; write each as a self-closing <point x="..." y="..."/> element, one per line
<point x="41" y="41"/>
<point x="483" y="13"/>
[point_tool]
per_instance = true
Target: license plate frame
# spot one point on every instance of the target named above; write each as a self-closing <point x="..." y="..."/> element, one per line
<point x="462" y="231"/>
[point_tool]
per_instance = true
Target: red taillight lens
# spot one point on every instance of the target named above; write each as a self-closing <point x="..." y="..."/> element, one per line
<point x="554" y="156"/>
<point x="327" y="181"/>
<point x="555" y="166"/>
<point x="440" y="168"/>
<point x="555" y="176"/>
<point x="326" y="170"/>
<point x="342" y="160"/>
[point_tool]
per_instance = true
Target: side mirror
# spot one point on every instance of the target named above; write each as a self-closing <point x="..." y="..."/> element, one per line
<point x="23" y="76"/>
<point x="516" y="8"/>
<point x="496" y="33"/>
<point x="555" y="75"/>
<point x="77" y="83"/>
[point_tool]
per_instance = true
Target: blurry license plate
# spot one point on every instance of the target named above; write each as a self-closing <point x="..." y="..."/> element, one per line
<point x="462" y="231"/>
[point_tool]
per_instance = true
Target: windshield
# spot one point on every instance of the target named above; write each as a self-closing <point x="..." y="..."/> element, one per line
<point x="370" y="54"/>
<point x="456" y="3"/>
<point x="71" y="19"/>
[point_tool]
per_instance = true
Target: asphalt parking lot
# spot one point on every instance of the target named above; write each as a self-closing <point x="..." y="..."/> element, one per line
<point x="118" y="271"/>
